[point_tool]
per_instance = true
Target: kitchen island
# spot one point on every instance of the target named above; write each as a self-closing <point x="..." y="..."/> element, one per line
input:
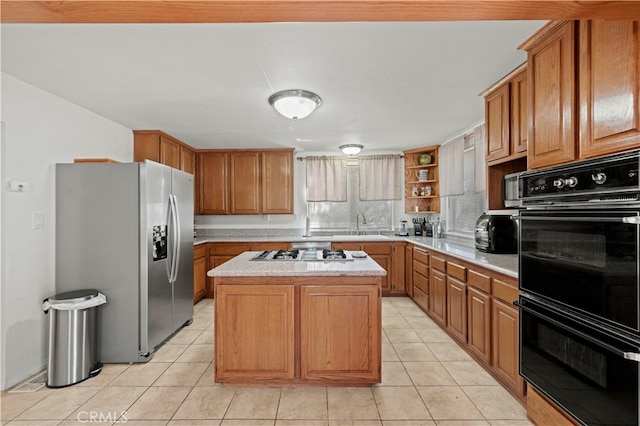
<point x="298" y="322"/>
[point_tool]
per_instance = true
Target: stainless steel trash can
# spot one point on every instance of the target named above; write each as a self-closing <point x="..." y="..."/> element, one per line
<point x="73" y="339"/>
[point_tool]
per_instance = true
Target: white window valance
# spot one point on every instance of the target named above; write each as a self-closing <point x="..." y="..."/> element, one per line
<point x="451" y="172"/>
<point x="326" y="178"/>
<point x="380" y="177"/>
<point x="480" y="141"/>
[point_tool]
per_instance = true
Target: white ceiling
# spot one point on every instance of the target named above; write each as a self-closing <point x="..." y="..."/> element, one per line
<point x="389" y="86"/>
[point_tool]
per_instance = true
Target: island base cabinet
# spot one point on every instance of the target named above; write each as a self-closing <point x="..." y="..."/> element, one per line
<point x="298" y="330"/>
<point x="339" y="334"/>
<point x="255" y="342"/>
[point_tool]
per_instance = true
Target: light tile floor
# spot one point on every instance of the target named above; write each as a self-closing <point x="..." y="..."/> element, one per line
<point x="427" y="379"/>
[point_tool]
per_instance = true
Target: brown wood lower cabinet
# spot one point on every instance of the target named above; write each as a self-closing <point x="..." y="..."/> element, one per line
<point x="474" y="305"/>
<point x="479" y="315"/>
<point x="544" y="412"/>
<point x="438" y="296"/>
<point x="389" y="255"/>
<point x="199" y="272"/>
<point x="298" y="330"/>
<point x="504" y="318"/>
<point x="457" y="308"/>
<point x="255" y="329"/>
<point x="337" y="333"/>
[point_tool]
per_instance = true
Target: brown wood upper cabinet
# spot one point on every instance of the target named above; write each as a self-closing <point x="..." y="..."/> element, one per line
<point x="245" y="181"/>
<point x="584" y="90"/>
<point x="244" y="185"/>
<point x="609" y="95"/>
<point x="213" y="182"/>
<point x="506" y="132"/>
<point x="506" y="116"/>
<point x="155" y="145"/>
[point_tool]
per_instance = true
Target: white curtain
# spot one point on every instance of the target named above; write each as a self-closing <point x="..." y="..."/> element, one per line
<point x="451" y="171"/>
<point x="380" y="177"/>
<point x="326" y="178"/>
<point x="480" y="141"/>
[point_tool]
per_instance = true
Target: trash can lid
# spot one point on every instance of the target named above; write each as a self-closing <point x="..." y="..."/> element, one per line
<point x="75" y="296"/>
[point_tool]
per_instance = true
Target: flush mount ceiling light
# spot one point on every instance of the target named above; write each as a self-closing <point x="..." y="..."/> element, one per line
<point x="351" y="148"/>
<point x="295" y="104"/>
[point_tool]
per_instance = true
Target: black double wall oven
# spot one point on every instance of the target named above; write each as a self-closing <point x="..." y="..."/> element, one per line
<point x="579" y="282"/>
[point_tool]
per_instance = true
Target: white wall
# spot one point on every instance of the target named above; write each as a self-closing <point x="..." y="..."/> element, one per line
<point x="39" y="130"/>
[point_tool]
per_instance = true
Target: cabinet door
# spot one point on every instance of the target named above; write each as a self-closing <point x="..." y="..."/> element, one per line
<point x="213" y="183"/>
<point x="244" y="170"/>
<point x="497" y="123"/>
<point x="384" y="260"/>
<point x="504" y="320"/>
<point x="609" y="95"/>
<point x="397" y="269"/>
<point x="277" y="182"/>
<point x="187" y="160"/>
<point x="339" y="333"/>
<point x="519" y="117"/>
<point x="382" y="254"/>
<point x="479" y="315"/>
<point x="255" y="332"/>
<point x="457" y="308"/>
<point x="199" y="273"/>
<point x="551" y="66"/>
<point x="408" y="270"/>
<point x="146" y="146"/>
<point x="438" y="296"/>
<point x="169" y="152"/>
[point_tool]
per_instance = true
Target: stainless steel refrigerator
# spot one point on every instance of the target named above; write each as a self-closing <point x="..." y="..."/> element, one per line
<point x="126" y="229"/>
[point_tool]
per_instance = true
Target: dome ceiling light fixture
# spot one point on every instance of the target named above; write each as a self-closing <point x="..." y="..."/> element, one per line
<point x="351" y="148"/>
<point x="295" y="104"/>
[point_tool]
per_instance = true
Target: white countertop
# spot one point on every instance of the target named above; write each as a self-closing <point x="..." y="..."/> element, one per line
<point x="502" y="263"/>
<point x="242" y="266"/>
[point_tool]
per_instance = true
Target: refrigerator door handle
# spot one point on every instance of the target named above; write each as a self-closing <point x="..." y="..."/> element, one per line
<point x="170" y="254"/>
<point x="172" y="240"/>
<point x="178" y="236"/>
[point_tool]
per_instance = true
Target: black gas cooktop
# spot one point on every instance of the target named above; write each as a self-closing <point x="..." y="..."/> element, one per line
<point x="311" y="255"/>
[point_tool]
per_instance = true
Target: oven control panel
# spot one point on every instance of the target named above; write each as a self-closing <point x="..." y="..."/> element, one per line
<point x="584" y="180"/>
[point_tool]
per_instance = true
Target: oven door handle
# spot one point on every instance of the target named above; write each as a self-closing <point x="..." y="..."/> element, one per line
<point x="635" y="220"/>
<point x="633" y="356"/>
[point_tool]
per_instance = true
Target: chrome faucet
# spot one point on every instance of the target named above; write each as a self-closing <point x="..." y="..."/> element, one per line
<point x="364" y="221"/>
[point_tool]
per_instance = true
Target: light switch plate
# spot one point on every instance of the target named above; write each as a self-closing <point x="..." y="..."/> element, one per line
<point x="38" y="220"/>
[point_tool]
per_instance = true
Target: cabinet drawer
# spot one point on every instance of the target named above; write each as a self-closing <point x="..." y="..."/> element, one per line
<point x="420" y="267"/>
<point x="504" y="291"/>
<point x="380" y="248"/>
<point x="421" y="298"/>
<point x="347" y="246"/>
<point x="438" y="263"/>
<point x="457" y="271"/>
<point x="420" y="255"/>
<point x="199" y="251"/>
<point x="421" y="282"/>
<point x="478" y="280"/>
<point x="227" y="248"/>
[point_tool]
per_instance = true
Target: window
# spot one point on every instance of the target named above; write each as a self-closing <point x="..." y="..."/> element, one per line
<point x="462" y="211"/>
<point x="342" y="216"/>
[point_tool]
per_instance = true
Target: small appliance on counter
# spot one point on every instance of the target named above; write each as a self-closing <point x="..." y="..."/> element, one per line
<point x="403" y="232"/>
<point x="417" y="226"/>
<point x="496" y="232"/>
